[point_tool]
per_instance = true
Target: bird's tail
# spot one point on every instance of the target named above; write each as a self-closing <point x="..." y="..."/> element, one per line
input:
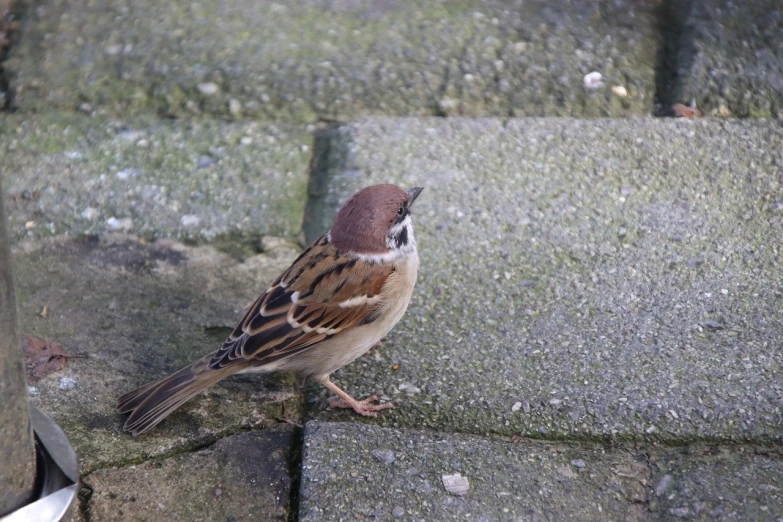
<point x="153" y="402"/>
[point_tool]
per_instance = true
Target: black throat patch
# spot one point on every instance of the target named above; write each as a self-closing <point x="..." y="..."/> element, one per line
<point x="402" y="237"/>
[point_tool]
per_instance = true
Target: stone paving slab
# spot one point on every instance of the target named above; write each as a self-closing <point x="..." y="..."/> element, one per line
<point x="68" y="173"/>
<point x="360" y="472"/>
<point x="138" y="311"/>
<point x="604" y="278"/>
<point x="303" y="60"/>
<point x="730" y="60"/>
<point x="242" y="477"/>
<point x="718" y="483"/>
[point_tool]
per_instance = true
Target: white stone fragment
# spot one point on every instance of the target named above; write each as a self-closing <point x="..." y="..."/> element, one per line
<point x="208" y="88"/>
<point x="593" y="81"/>
<point x="456" y="484"/>
<point x="119" y="224"/>
<point x="67" y="383"/>
<point x="620" y="91"/>
<point x="408" y="388"/>
<point x="190" y="220"/>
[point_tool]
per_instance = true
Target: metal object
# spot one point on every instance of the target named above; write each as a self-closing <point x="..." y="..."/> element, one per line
<point x="17" y="449"/>
<point x="57" y="475"/>
<point x="39" y="473"/>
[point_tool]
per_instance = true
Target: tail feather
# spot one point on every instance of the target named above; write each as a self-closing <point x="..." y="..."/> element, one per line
<point x="153" y="402"/>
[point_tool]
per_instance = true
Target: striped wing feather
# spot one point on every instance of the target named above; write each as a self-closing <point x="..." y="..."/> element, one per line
<point x="325" y="292"/>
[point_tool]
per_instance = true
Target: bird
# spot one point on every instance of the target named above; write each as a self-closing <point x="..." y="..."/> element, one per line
<point x="339" y="298"/>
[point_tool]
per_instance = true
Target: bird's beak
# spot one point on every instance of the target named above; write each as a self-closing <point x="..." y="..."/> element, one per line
<point x="413" y="193"/>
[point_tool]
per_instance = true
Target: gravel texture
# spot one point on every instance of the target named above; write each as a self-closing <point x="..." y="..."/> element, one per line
<point x="579" y="279"/>
<point x="342" y="479"/>
<point x="729" y="59"/>
<point x="135" y="312"/>
<point x="68" y="173"/>
<point x="242" y="477"/>
<point x="303" y="60"/>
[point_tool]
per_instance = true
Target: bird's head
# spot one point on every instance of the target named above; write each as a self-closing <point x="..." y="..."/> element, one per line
<point x="377" y="221"/>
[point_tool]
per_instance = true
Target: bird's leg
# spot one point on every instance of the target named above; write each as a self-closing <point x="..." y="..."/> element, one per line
<point x="364" y="407"/>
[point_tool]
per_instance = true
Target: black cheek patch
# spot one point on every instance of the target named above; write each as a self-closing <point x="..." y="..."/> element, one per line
<point x="402" y="237"/>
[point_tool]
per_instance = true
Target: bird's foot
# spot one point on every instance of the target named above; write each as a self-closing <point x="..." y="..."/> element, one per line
<point x="367" y="407"/>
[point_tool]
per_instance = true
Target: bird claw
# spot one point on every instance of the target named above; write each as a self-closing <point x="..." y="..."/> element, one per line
<point x="366" y="407"/>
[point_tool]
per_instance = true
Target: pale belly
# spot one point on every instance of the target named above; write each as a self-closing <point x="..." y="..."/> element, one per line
<point x="335" y="352"/>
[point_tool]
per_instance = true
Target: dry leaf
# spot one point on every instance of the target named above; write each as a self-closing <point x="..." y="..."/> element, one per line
<point x="42" y="357"/>
<point x="683" y="111"/>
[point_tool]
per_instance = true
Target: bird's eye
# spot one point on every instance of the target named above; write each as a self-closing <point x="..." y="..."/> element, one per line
<point x="401" y="210"/>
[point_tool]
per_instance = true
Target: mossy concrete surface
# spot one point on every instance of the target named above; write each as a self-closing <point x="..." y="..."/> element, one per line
<point x="135" y="312"/>
<point x="730" y="57"/>
<point x="610" y="279"/>
<point x="360" y="472"/>
<point x="301" y="60"/>
<point x="241" y="477"/>
<point x="69" y="173"/>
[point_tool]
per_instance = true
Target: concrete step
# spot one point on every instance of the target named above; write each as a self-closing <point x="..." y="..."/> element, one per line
<point x="359" y="472"/>
<point x="301" y="60"/>
<point x="240" y="477"/>
<point x="67" y="173"/>
<point x="134" y="312"/>
<point x="728" y="57"/>
<point x="611" y="279"/>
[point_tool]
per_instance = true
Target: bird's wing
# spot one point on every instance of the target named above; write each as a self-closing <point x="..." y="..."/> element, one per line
<point x="323" y="293"/>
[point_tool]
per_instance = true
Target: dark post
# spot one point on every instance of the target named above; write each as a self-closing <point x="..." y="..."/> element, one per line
<point x="17" y="450"/>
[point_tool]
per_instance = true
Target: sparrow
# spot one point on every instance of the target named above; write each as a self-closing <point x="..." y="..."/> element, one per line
<point x="343" y="294"/>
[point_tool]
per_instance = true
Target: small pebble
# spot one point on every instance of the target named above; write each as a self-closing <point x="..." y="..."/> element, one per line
<point x="566" y="471"/>
<point x="119" y="224"/>
<point x="593" y="81"/>
<point x="409" y="388"/>
<point x="246" y="140"/>
<point x="218" y="492"/>
<point x="516" y="407"/>
<point x="663" y="485"/>
<point x="679" y="512"/>
<point x="386" y="456"/>
<point x="235" y="107"/>
<point x="398" y="512"/>
<point x="126" y="174"/>
<point x="208" y="88"/>
<point x="67" y="383"/>
<point x="190" y="220"/>
<point x="90" y="213"/>
<point x="205" y="161"/>
<point x="579" y="463"/>
<point x="620" y="91"/>
<point x="456" y="484"/>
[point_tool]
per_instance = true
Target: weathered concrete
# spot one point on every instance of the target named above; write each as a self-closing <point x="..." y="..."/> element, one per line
<point x="578" y="278"/>
<point x="242" y="477"/>
<point x="67" y="173"/>
<point x="138" y="311"/>
<point x="717" y="483"/>
<point x="730" y="57"/>
<point x="17" y="446"/>
<point x="359" y="472"/>
<point x="301" y="60"/>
